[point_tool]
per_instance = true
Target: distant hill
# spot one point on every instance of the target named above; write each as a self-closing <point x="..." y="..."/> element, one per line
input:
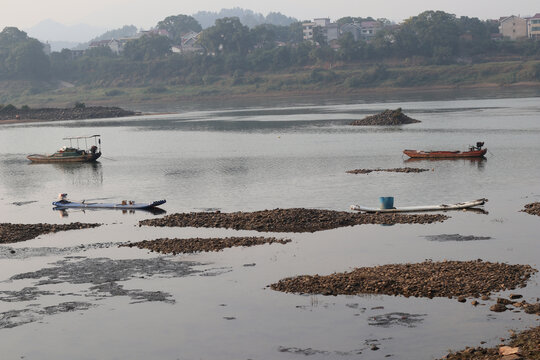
<point x="247" y="17"/>
<point x="52" y="31"/>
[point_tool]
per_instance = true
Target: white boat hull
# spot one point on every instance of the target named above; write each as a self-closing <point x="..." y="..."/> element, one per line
<point x="83" y="205"/>
<point x="442" y="207"/>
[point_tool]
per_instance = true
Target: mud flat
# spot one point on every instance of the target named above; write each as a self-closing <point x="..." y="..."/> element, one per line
<point x="533" y="208"/>
<point x="387" y="117"/>
<point x="11" y="233"/>
<point x="287" y="220"/>
<point x="192" y="245"/>
<point x="399" y="170"/>
<point x="525" y="345"/>
<point x="427" y="279"/>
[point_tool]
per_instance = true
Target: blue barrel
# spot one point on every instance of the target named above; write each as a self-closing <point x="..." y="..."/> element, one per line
<point x="387" y="202"/>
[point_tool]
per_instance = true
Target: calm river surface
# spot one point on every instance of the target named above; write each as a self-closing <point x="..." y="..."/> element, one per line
<point x="55" y="303"/>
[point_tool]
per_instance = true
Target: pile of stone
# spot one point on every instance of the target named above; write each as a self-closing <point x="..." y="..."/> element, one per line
<point x="76" y="113"/>
<point x="427" y="279"/>
<point x="186" y="246"/>
<point x="287" y="220"/>
<point x="400" y="170"/>
<point x="11" y="233"/>
<point x="525" y="345"/>
<point x="533" y="208"/>
<point x="387" y="117"/>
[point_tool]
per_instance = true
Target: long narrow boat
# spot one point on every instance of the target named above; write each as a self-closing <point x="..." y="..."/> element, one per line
<point x="72" y="154"/>
<point x="124" y="205"/>
<point x="441" y="207"/>
<point x="473" y="152"/>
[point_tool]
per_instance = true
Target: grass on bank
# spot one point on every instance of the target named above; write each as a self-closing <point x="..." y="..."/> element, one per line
<point x="324" y="79"/>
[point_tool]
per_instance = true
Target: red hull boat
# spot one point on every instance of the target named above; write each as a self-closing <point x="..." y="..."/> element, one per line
<point x="474" y="152"/>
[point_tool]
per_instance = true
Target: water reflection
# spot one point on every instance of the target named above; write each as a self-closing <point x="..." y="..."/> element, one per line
<point x="82" y="173"/>
<point x="479" y="162"/>
<point x="64" y="213"/>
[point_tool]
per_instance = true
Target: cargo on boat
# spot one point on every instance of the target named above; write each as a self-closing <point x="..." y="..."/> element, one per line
<point x="71" y="153"/>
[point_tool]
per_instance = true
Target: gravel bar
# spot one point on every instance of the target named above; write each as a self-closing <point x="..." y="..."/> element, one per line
<point x="12" y="233"/>
<point x="287" y="220"/>
<point x="427" y="279"/>
<point x="192" y="245"/>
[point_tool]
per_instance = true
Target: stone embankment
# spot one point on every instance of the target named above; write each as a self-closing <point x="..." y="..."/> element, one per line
<point x="533" y="208"/>
<point x="192" y="245"/>
<point x="399" y="170"/>
<point x="51" y="114"/>
<point x="287" y="220"/>
<point x="427" y="279"/>
<point x="387" y="117"/>
<point x="12" y="233"/>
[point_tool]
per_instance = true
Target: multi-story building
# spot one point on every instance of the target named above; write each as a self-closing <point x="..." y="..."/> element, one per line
<point x="329" y="30"/>
<point x="533" y="27"/>
<point x="365" y="30"/>
<point x="513" y="27"/>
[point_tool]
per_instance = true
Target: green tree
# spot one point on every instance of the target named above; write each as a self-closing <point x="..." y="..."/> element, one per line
<point x="179" y="25"/>
<point x="147" y="47"/>
<point x="22" y="57"/>
<point x="427" y="33"/>
<point x="227" y="36"/>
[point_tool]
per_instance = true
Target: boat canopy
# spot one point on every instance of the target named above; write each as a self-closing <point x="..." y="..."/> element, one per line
<point x="97" y="140"/>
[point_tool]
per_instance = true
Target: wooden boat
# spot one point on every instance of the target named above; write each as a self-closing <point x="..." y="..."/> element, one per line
<point x="442" y="207"/>
<point x="71" y="154"/>
<point x="474" y="152"/>
<point x="124" y="205"/>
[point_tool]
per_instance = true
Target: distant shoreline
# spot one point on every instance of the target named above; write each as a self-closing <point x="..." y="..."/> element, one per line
<point x="15" y="116"/>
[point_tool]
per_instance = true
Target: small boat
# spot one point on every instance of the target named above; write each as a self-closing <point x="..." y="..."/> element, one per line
<point x="64" y="203"/>
<point x="71" y="154"/>
<point x="442" y="207"/>
<point x="473" y="152"/>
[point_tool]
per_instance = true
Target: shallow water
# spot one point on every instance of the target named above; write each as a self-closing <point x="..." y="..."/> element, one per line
<point x="262" y="156"/>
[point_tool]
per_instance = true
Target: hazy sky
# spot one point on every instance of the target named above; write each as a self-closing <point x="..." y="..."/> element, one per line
<point x="112" y="14"/>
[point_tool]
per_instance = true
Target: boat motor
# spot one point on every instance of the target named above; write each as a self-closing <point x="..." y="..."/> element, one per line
<point x="479" y="145"/>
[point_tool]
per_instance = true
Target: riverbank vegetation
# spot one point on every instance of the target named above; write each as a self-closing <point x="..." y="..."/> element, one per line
<point x="432" y="49"/>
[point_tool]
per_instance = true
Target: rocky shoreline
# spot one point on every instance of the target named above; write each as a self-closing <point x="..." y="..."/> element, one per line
<point x="192" y="245"/>
<point x="287" y="220"/>
<point x="427" y="279"/>
<point x="398" y="170"/>
<point x="525" y="345"/>
<point x="387" y="117"/>
<point x="51" y="114"/>
<point x="532" y="208"/>
<point x="12" y="233"/>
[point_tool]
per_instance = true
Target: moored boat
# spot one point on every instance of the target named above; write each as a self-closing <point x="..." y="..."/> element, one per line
<point x="473" y="152"/>
<point x="441" y="207"/>
<point x="71" y="154"/>
<point x="64" y="203"/>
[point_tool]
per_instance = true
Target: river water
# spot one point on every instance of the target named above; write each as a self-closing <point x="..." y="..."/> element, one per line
<point x="77" y="295"/>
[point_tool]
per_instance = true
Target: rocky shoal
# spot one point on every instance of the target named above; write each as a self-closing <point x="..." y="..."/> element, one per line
<point x="427" y="279"/>
<point x="387" y="117"/>
<point x="50" y="114"/>
<point x="11" y="233"/>
<point x="525" y="345"/>
<point x="192" y="245"/>
<point x="287" y="220"/>
<point x="400" y="170"/>
<point x="533" y="208"/>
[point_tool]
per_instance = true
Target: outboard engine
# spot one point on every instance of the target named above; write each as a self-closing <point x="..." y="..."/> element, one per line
<point x="479" y="145"/>
<point x="94" y="148"/>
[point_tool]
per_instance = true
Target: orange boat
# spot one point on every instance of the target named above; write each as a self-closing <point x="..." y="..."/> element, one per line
<point x="474" y="152"/>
